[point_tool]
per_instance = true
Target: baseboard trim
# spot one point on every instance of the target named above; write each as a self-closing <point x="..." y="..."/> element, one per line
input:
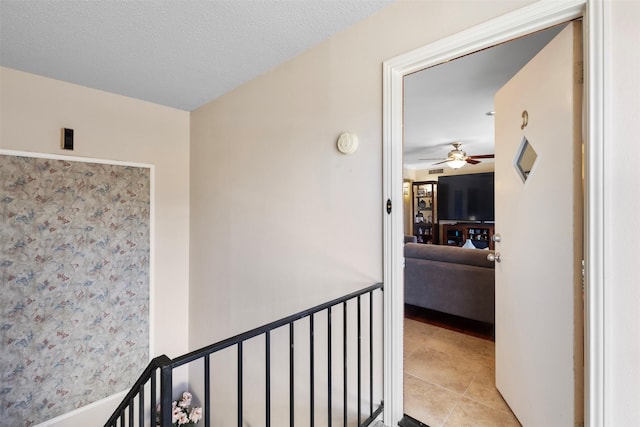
<point x="471" y="327"/>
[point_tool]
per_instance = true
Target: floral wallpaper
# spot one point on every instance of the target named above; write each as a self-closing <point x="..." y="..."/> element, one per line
<point x="74" y="284"/>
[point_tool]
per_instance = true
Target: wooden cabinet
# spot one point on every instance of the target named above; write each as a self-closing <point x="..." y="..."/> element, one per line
<point x="481" y="235"/>
<point x="425" y="220"/>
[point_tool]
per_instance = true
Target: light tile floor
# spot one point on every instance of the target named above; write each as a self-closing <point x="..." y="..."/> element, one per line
<point x="449" y="379"/>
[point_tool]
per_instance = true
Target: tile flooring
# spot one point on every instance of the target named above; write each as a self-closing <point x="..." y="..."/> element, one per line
<point x="449" y="379"/>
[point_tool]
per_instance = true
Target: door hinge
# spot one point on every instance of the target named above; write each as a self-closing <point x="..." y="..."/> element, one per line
<point x="389" y="206"/>
<point x="582" y="276"/>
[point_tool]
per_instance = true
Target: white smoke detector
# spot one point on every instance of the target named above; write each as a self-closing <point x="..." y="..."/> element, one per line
<point x="347" y="143"/>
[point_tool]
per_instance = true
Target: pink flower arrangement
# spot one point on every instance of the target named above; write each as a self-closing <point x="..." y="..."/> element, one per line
<point x="182" y="412"/>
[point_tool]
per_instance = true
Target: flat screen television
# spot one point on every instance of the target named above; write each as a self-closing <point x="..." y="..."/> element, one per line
<point x="466" y="197"/>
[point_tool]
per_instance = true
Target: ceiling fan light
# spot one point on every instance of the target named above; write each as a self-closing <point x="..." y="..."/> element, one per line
<point x="456" y="163"/>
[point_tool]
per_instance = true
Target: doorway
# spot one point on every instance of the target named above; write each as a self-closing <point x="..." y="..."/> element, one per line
<point x="511" y="26"/>
<point x="448" y="359"/>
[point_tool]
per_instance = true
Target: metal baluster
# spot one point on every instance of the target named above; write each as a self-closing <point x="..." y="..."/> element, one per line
<point x="240" y="384"/>
<point x="359" y="364"/>
<point x="329" y="364"/>
<point x="291" y="384"/>
<point x="154" y="397"/>
<point x="344" y="361"/>
<point x="141" y="406"/>
<point x="311" y="376"/>
<point x="166" y="388"/>
<point x="207" y="390"/>
<point x="268" y="376"/>
<point x="370" y="353"/>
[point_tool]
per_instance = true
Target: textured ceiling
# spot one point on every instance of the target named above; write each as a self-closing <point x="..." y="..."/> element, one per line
<point x="183" y="54"/>
<point x="172" y="52"/>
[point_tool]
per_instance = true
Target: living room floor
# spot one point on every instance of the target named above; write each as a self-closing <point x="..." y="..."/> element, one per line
<point x="449" y="378"/>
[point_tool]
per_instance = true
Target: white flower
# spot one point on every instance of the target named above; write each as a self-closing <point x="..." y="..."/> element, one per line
<point x="182" y="413"/>
<point x="186" y="399"/>
<point x="196" y="414"/>
<point x="183" y="419"/>
<point x="176" y="413"/>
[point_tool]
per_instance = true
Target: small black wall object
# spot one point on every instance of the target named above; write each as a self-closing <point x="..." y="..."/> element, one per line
<point x="67" y="139"/>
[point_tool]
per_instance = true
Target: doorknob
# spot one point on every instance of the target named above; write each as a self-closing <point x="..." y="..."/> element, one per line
<point x="492" y="257"/>
<point x="497" y="238"/>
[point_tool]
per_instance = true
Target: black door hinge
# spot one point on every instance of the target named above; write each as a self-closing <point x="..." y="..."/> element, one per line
<point x="389" y="206"/>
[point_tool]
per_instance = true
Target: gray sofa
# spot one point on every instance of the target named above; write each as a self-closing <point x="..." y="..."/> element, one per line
<point x="451" y="280"/>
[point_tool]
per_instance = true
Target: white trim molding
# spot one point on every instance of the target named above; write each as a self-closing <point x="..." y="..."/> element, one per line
<point x="73" y="158"/>
<point x="529" y="19"/>
<point x="594" y="221"/>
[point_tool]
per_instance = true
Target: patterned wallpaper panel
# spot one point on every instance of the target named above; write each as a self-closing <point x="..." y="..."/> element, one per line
<point x="74" y="284"/>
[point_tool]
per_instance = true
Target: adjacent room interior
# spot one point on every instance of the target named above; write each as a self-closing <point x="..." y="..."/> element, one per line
<point x="448" y="196"/>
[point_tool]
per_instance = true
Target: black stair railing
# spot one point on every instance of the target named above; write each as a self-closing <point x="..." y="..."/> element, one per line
<point x="138" y="408"/>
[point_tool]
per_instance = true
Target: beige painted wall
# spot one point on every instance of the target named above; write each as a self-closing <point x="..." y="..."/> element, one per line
<point x="280" y="219"/>
<point x="33" y="109"/>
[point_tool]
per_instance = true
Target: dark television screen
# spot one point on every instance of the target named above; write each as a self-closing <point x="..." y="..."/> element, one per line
<point x="466" y="197"/>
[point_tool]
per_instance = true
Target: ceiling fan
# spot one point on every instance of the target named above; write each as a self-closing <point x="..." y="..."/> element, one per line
<point x="457" y="158"/>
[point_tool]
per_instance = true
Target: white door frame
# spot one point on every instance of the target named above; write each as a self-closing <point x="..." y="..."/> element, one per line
<point x="529" y="19"/>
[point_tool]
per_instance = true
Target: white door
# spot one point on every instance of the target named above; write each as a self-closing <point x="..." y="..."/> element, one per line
<point x="539" y="328"/>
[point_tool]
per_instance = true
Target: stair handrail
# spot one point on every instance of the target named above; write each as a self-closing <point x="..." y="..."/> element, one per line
<point x="160" y="362"/>
<point x="166" y="365"/>
<point x="220" y="345"/>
